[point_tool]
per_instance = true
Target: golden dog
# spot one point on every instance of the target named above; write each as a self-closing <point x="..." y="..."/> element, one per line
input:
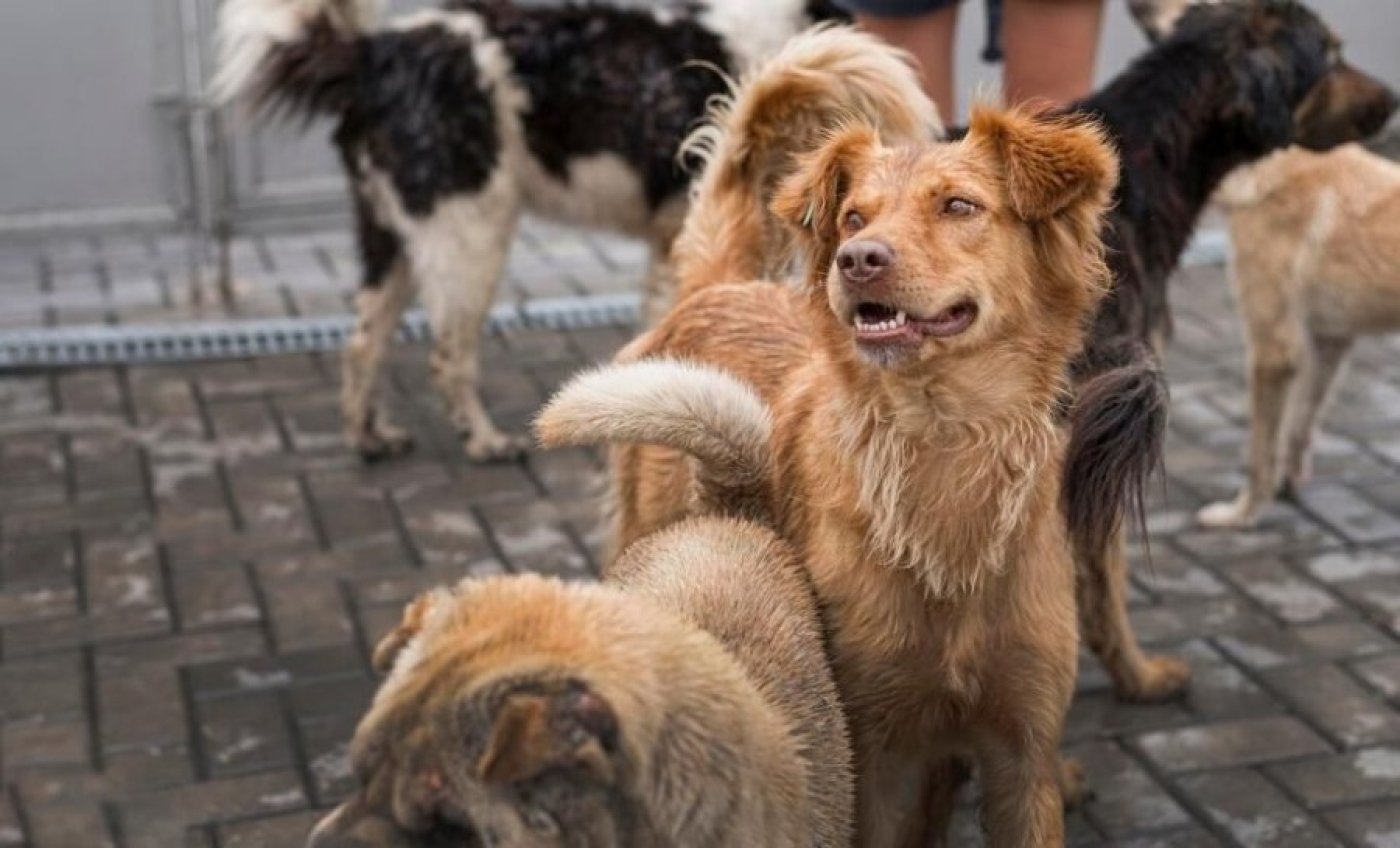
<point x="688" y="702"/>
<point x="914" y="382"/>
<point x="1316" y="263"/>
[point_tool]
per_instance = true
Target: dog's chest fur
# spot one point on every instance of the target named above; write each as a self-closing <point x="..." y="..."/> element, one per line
<point x="935" y="566"/>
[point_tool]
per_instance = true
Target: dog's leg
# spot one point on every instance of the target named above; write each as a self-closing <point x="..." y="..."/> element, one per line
<point x="1102" y="588"/>
<point x="945" y="782"/>
<point x="1321" y="365"/>
<point x="1022" y="804"/>
<point x="1271" y="374"/>
<point x="890" y="789"/>
<point x="458" y="255"/>
<point x="378" y="307"/>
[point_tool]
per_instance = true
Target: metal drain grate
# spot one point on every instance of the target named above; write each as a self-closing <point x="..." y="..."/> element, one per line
<point x="154" y="343"/>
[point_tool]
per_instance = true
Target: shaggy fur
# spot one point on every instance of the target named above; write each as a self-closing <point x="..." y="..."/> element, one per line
<point x="1315" y="264"/>
<point x="915" y="464"/>
<point x="451" y="123"/>
<point x="1231" y="83"/>
<point x="686" y="703"/>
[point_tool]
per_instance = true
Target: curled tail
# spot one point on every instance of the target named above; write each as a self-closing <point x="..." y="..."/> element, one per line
<point x="298" y="56"/>
<point x="824" y="78"/>
<point x="697" y="409"/>
<point x="1117" y="427"/>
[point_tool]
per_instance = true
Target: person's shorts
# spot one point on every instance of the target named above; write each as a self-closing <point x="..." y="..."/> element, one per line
<point x="914" y="8"/>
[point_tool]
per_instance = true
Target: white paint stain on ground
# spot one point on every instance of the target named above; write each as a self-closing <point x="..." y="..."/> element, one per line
<point x="278" y="800"/>
<point x="1338" y="567"/>
<point x="136" y="590"/>
<point x="333" y="765"/>
<point x="454" y="524"/>
<point x="1379" y="764"/>
<point x="1294" y="599"/>
<point x="245" y="743"/>
<point x="246" y="678"/>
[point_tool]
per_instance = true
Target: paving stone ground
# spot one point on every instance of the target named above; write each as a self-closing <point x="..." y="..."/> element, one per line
<point x="193" y="569"/>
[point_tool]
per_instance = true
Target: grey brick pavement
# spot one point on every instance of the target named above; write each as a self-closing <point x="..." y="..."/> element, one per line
<point x="192" y="571"/>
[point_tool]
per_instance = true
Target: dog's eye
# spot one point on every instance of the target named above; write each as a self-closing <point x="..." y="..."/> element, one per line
<point x="854" y="221"/>
<point x="959" y="207"/>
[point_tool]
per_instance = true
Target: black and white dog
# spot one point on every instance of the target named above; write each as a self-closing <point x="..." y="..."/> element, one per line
<point x="454" y="121"/>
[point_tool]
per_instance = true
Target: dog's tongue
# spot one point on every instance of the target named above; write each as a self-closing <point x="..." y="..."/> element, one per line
<point x="949" y="322"/>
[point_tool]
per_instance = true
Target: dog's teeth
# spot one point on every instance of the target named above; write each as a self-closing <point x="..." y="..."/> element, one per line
<point x="900" y="318"/>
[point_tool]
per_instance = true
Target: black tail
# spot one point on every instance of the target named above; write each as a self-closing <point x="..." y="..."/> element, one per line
<point x="290" y="59"/>
<point x="1117" y="427"/>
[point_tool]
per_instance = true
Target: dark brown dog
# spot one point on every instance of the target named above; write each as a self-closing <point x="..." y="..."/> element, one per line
<point x="1229" y="83"/>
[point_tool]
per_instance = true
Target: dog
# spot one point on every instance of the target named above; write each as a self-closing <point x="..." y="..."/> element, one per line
<point x="1315" y="264"/>
<point x="913" y="381"/>
<point x="1226" y="84"/>
<point x="687" y="702"/>
<point x="452" y="122"/>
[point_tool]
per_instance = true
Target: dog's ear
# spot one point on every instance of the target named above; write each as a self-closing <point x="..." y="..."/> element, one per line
<point x="393" y="643"/>
<point x="809" y="200"/>
<point x="1049" y="163"/>
<point x="532" y="733"/>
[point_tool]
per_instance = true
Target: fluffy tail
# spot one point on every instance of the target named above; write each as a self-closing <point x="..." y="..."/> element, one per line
<point x="699" y="410"/>
<point x="1117" y="427"/>
<point x="293" y="55"/>
<point x="822" y="79"/>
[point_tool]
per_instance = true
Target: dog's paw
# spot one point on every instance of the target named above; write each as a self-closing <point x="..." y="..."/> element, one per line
<point x="1234" y="514"/>
<point x="381" y="442"/>
<point x="1074" y="783"/>
<point x="495" y="446"/>
<point x="1157" y="679"/>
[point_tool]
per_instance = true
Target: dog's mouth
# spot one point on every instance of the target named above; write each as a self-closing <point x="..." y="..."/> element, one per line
<point x="882" y="324"/>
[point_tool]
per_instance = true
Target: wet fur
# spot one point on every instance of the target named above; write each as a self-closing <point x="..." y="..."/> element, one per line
<point x="1232" y="82"/>
<point x="688" y="701"/>
<point x="452" y="123"/>
<point x="1315" y="265"/>
<point x="923" y="498"/>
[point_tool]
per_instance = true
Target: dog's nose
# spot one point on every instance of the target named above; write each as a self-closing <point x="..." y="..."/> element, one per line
<point x="863" y="260"/>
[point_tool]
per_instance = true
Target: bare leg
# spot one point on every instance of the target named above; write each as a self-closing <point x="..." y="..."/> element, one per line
<point x="378" y="308"/>
<point x="1310" y="394"/>
<point x="929" y="38"/>
<point x="1102" y="587"/>
<point x="1050" y="46"/>
<point x="458" y="255"/>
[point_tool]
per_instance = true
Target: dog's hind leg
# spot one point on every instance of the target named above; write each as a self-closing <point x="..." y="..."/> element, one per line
<point x="380" y="303"/>
<point x="1102" y="587"/>
<point x="1311" y="391"/>
<point x="1274" y="352"/>
<point x="458" y="254"/>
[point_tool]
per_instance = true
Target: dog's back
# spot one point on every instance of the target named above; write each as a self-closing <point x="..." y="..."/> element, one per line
<point x="742" y="584"/>
<point x="1316" y="239"/>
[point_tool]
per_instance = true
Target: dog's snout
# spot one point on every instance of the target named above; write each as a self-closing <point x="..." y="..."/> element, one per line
<point x="862" y="260"/>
